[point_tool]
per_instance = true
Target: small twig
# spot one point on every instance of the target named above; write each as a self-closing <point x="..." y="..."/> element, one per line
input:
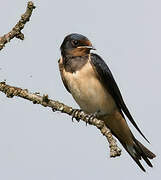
<point x="16" y="31"/>
<point x="12" y="91"/>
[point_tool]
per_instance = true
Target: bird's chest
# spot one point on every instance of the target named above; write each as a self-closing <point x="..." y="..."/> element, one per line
<point x="88" y="91"/>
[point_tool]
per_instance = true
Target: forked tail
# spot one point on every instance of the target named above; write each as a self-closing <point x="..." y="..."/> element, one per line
<point x="138" y="151"/>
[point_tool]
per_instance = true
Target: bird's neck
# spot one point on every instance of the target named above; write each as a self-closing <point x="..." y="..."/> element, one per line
<point x="74" y="63"/>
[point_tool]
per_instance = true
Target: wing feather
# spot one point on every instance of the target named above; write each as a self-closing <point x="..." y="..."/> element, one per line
<point x="109" y="82"/>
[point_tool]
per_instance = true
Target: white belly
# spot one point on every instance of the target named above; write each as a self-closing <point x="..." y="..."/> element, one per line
<point x="88" y="91"/>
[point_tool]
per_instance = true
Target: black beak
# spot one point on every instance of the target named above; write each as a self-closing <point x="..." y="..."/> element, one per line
<point x="88" y="47"/>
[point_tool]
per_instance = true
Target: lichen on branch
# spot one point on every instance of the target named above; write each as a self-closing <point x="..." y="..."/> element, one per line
<point x="12" y="91"/>
<point x="16" y="31"/>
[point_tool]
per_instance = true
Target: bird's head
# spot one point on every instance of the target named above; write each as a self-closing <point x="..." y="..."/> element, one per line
<point x="76" y="45"/>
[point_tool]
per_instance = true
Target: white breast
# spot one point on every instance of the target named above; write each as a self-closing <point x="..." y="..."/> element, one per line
<point x="88" y="91"/>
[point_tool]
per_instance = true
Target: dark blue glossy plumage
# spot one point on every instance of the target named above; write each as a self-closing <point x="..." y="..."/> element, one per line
<point x="91" y="68"/>
<point x="110" y="84"/>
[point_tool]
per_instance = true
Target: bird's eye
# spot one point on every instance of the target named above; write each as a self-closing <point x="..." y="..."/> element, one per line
<point x="75" y="42"/>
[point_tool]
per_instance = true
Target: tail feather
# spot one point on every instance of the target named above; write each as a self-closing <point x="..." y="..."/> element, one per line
<point x="147" y="152"/>
<point x="119" y="128"/>
<point x="138" y="151"/>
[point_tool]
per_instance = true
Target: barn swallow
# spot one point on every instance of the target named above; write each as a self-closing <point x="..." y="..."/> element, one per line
<point x="88" y="78"/>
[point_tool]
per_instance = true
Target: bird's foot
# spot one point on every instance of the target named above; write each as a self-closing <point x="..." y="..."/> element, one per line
<point x="75" y="114"/>
<point x="89" y="117"/>
<point x="92" y="116"/>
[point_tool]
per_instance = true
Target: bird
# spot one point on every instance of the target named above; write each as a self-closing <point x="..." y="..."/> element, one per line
<point x="89" y="80"/>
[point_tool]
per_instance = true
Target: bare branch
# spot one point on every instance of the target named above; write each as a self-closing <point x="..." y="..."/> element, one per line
<point x="12" y="91"/>
<point x="16" y="31"/>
